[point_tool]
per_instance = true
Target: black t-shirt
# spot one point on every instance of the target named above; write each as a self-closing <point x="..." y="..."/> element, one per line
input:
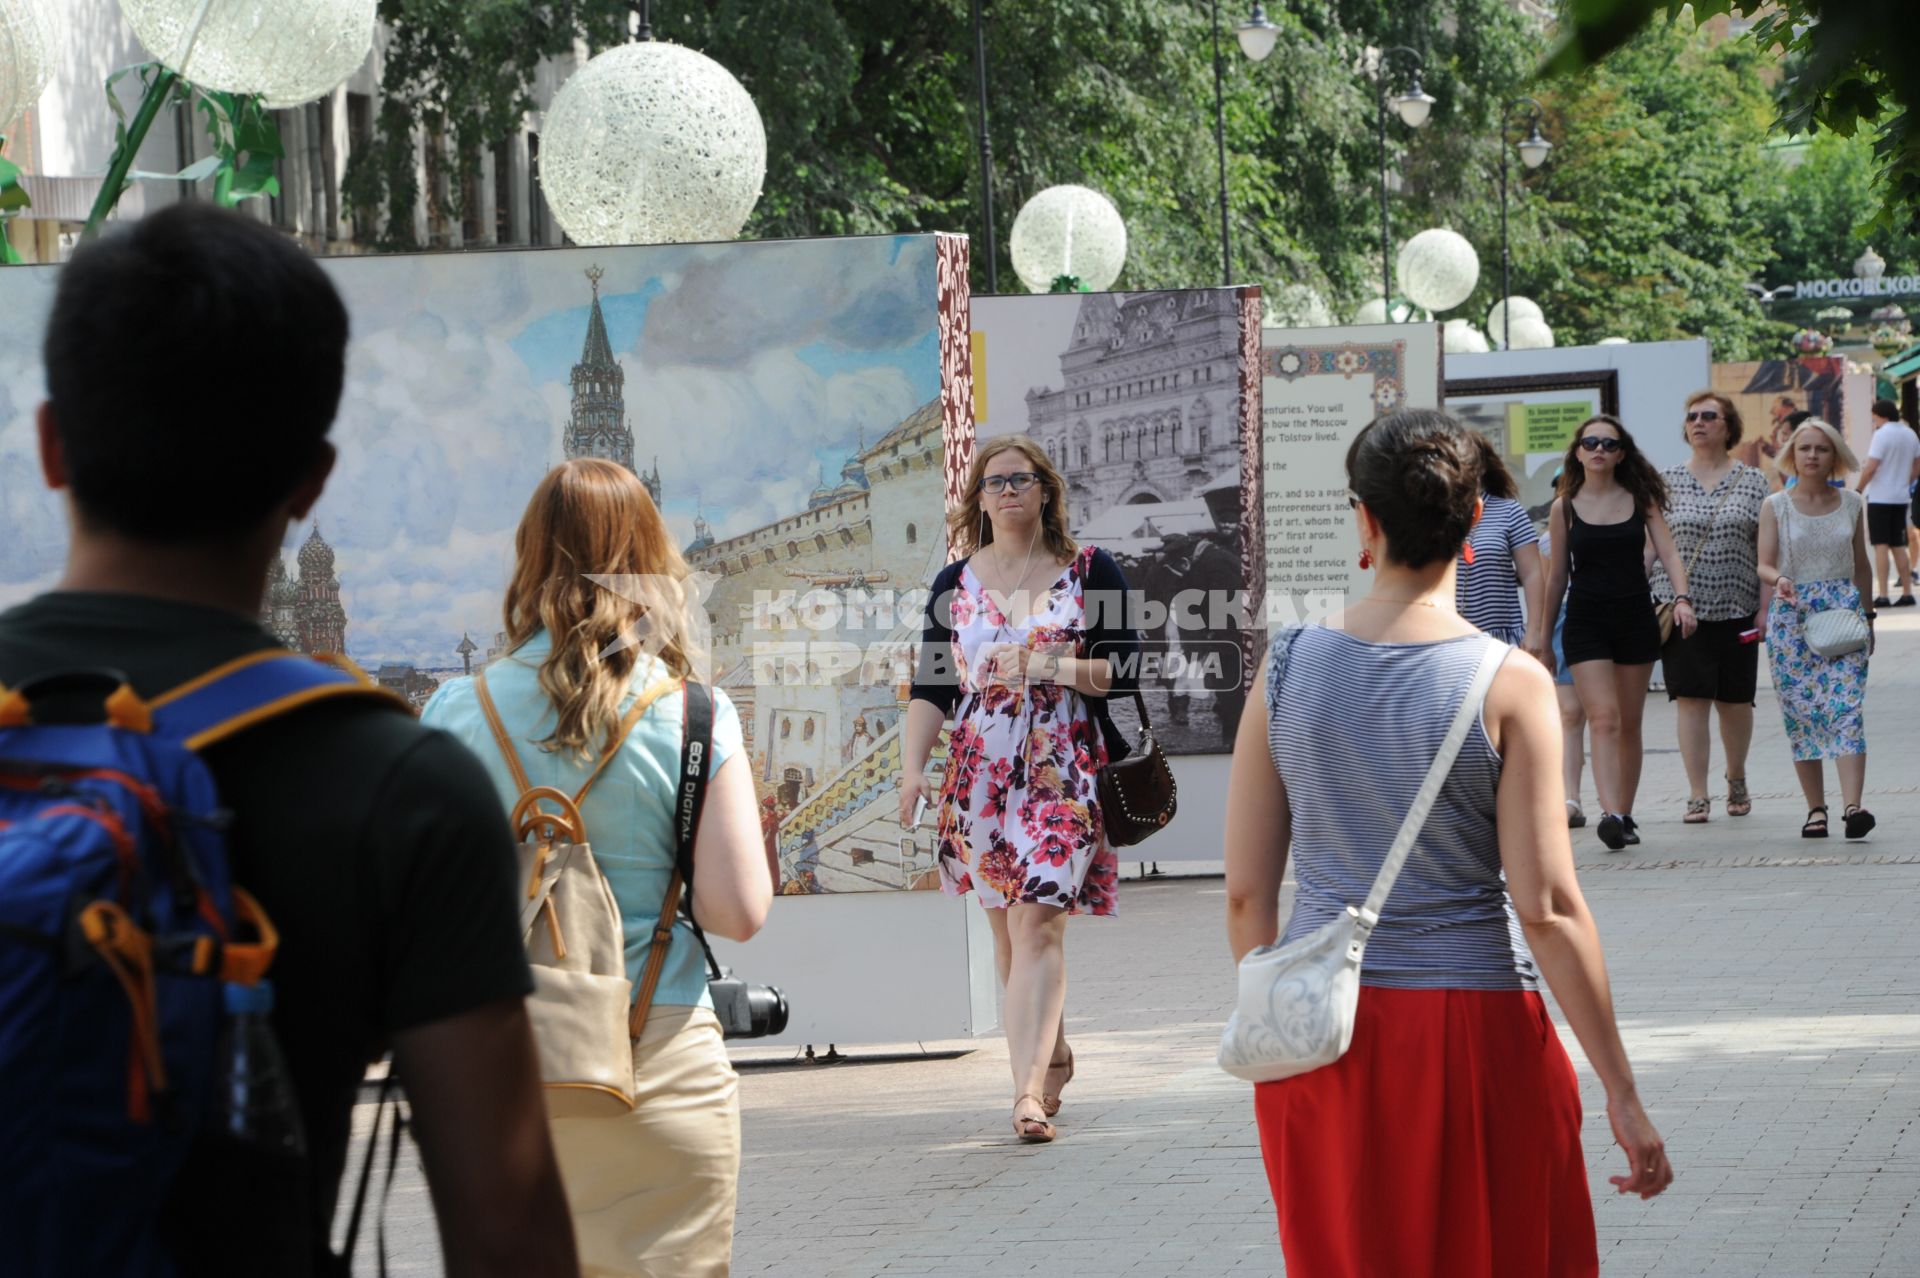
<point x="377" y="847"/>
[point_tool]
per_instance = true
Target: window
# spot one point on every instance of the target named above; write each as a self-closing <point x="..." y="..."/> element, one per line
<point x="502" y="193"/>
<point x="536" y="202"/>
<point x="806" y="733"/>
<point x="786" y="729"/>
<point x="325" y="200"/>
<point x="472" y="229"/>
<point x="913" y="534"/>
<point x="793" y="550"/>
<point x="768" y="552"/>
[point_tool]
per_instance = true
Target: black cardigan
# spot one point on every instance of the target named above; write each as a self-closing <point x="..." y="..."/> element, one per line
<point x="936" y="679"/>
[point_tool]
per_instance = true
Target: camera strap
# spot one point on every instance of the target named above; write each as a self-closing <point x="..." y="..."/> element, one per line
<point x="690" y="795"/>
<point x="696" y="757"/>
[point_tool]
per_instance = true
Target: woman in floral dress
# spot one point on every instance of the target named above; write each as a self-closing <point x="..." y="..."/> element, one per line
<point x="1813" y="552"/>
<point x="1021" y="646"/>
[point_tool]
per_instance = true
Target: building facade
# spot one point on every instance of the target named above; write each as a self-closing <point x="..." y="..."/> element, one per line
<point x="1149" y="400"/>
<point x="305" y="614"/>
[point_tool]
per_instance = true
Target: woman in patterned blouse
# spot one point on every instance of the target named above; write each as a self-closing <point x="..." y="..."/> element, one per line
<point x="1713" y="508"/>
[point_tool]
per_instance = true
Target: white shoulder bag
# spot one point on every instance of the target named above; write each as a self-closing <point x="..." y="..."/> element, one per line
<point x="1830" y="632"/>
<point x="1297" y="1001"/>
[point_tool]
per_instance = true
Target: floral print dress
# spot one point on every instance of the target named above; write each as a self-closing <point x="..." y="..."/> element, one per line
<point x="1822" y="699"/>
<point x="1019" y="808"/>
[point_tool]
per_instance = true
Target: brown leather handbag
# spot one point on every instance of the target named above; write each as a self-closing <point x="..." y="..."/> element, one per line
<point x="1137" y="794"/>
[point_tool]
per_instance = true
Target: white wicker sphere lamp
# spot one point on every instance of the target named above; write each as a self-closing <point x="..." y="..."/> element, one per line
<point x="1296" y="306"/>
<point x="1518" y="308"/>
<point x="652" y="143"/>
<point x="1438" y="269"/>
<point x="26" y="56"/>
<point x="1374" y="311"/>
<point x="1460" y="337"/>
<point x="1068" y="230"/>
<point x="1530" y="333"/>
<point x="285" y="51"/>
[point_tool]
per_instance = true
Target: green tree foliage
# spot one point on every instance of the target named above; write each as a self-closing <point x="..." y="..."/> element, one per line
<point x="1851" y="70"/>
<point x="1819" y="211"/>
<point x="1647" y="221"/>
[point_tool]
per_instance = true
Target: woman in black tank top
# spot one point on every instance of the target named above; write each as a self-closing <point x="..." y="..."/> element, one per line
<point x="1607" y="511"/>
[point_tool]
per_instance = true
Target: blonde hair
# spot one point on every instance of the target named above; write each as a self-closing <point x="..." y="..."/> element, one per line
<point x="595" y="516"/>
<point x="1844" y="462"/>
<point x="970" y="529"/>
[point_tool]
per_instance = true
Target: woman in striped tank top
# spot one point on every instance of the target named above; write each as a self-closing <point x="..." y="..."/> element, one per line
<point x="1446" y="1142"/>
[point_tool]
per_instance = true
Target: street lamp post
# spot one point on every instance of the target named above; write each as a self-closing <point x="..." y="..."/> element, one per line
<point x="1413" y="107"/>
<point x="1533" y="153"/>
<point x="1257" y="36"/>
<point x="986" y="149"/>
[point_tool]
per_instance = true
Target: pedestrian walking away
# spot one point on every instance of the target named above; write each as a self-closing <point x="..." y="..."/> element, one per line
<point x="1606" y="514"/>
<point x="374" y="845"/>
<point x="1409" y="1154"/>
<point x="1813" y="551"/>
<point x="1012" y="653"/>
<point x="1713" y="509"/>
<point x="570" y="711"/>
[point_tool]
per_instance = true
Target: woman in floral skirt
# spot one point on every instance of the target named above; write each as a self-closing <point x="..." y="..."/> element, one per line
<point x="1022" y="643"/>
<point x="1813" y="551"/>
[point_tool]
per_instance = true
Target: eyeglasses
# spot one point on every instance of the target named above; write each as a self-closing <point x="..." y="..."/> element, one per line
<point x="1019" y="482"/>
<point x="1704" y="415"/>
<point x="1600" y="444"/>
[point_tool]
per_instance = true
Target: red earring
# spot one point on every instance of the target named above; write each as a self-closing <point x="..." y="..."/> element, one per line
<point x="1366" y="557"/>
<point x="1466" y="551"/>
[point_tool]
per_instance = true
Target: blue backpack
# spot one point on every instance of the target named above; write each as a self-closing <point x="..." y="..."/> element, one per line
<point x="119" y="926"/>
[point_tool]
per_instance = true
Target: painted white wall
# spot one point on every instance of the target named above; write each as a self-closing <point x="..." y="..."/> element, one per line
<point x="1655" y="380"/>
<point x="73" y="123"/>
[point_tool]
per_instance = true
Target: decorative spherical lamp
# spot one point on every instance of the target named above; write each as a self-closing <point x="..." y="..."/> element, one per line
<point x="1531" y="333"/>
<point x="26" y="56"/>
<point x="1460" y="337"/>
<point x="285" y="51"/>
<point x="1296" y="306"/>
<point x="1374" y="311"/>
<point x="1068" y="231"/>
<point x="652" y="143"/>
<point x="1611" y="341"/>
<point x="1518" y="308"/>
<point x="1438" y="269"/>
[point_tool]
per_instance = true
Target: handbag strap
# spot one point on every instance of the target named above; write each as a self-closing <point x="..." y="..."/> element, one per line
<point x="690" y="795"/>
<point x="1416" y="819"/>
<point x="1713" y="521"/>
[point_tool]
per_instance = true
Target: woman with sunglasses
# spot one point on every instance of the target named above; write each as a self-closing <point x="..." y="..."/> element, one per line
<point x="1713" y="508"/>
<point x="1022" y="645"/>
<point x="1609" y="506"/>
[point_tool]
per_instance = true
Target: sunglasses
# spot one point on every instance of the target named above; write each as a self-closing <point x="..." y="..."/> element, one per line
<point x="1704" y="415"/>
<point x="1600" y="444"/>
<point x="1018" y="482"/>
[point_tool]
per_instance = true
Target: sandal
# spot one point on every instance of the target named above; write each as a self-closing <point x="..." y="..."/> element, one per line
<point x="1698" y="812"/>
<point x="1051" y="1101"/>
<point x="1739" y="802"/>
<point x="1859" y="821"/>
<point x="1031" y="1131"/>
<point x="1815" y="827"/>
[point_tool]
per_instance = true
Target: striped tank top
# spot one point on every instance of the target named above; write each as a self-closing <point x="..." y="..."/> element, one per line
<point x="1352" y="727"/>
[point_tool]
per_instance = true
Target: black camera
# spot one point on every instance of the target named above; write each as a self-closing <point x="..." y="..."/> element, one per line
<point x="746" y="1010"/>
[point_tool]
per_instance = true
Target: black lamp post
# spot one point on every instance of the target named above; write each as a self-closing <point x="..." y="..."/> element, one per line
<point x="1257" y="36"/>
<point x="1533" y="153"/>
<point x="1413" y="105"/>
<point x="986" y="149"/>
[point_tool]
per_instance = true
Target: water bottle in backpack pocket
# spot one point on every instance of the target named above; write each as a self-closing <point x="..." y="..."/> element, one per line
<point x="120" y="935"/>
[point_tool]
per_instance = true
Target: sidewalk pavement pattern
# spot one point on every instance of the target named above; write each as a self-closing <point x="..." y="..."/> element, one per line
<point x="1768" y="989"/>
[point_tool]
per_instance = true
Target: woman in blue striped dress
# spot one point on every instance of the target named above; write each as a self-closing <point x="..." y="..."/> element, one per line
<point x="1502" y="552"/>
<point x="1446" y="1141"/>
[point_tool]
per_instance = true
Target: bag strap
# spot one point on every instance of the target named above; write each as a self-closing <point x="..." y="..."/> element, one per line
<point x="512" y="756"/>
<point x="1416" y="819"/>
<point x="252" y="689"/>
<point x="690" y="796"/>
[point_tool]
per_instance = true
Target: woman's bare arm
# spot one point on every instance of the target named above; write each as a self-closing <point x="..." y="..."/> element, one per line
<point x="1259" y="828"/>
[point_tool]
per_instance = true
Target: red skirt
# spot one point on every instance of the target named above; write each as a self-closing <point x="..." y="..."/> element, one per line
<point x="1444" y="1144"/>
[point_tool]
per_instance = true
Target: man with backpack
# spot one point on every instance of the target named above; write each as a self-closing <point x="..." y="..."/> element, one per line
<point x="194" y="365"/>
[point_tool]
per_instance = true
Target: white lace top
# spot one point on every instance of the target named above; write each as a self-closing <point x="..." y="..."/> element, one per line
<point x="1817" y="547"/>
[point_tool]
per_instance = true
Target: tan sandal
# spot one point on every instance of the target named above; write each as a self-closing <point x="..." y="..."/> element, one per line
<point x="1698" y="812"/>
<point x="1739" y="802"/>
<point x="1051" y="1101"/>
<point x="1031" y="1131"/>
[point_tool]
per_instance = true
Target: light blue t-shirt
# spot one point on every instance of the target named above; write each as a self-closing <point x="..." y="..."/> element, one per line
<point x="628" y="812"/>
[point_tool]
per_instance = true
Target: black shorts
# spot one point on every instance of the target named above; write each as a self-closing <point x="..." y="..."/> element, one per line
<point x="1712" y="664"/>
<point x="1623" y="631"/>
<point x="1887" y="523"/>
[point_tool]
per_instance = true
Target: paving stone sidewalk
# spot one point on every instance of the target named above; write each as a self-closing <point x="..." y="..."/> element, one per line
<point x="1768" y="988"/>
